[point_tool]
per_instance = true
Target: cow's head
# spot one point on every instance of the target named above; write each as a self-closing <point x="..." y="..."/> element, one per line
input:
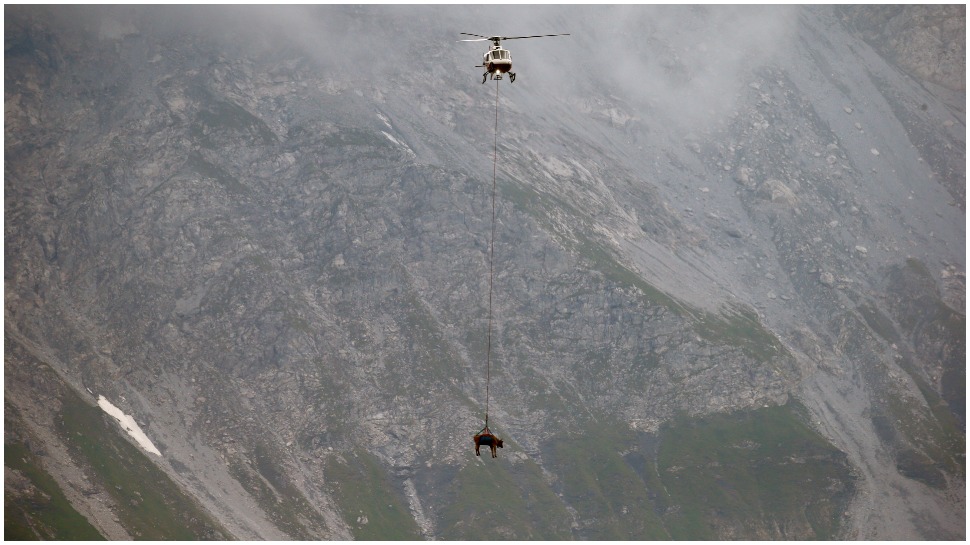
<point x="499" y="443"/>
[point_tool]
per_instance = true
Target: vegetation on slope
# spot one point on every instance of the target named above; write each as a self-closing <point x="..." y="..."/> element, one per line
<point x="149" y="504"/>
<point x="500" y="498"/>
<point x="372" y="507"/>
<point x="762" y="473"/>
<point x="34" y="506"/>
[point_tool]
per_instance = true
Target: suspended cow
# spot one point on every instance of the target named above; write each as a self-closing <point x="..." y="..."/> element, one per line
<point x="487" y="438"/>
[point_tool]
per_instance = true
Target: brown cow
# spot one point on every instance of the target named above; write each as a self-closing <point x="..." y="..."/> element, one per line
<point x="485" y="437"/>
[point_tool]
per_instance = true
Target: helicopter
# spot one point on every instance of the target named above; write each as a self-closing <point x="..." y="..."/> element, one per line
<point x="498" y="60"/>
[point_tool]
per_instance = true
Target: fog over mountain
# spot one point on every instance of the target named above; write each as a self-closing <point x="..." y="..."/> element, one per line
<point x="247" y="255"/>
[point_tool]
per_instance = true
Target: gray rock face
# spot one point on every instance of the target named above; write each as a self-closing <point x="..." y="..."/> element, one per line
<point x="928" y="41"/>
<point x="268" y="242"/>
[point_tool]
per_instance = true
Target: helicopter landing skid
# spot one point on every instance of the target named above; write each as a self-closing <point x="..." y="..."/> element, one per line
<point x="498" y="76"/>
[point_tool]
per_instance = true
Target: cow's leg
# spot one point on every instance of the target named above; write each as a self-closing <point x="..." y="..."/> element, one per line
<point x="476" y="450"/>
<point x="494" y="453"/>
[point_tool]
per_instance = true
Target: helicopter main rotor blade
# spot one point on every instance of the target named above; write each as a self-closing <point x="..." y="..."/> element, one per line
<point x="497" y="39"/>
<point x="537" y="36"/>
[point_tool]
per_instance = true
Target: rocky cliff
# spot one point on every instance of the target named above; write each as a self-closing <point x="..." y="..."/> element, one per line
<point x="729" y="254"/>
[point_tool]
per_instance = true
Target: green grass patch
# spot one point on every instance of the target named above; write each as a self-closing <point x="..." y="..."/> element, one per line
<point x="612" y="500"/>
<point x="221" y="116"/>
<point x="348" y="136"/>
<point x="948" y="441"/>
<point x="878" y="322"/>
<point x="735" y="326"/>
<point x="930" y="446"/>
<point x="261" y="263"/>
<point x="936" y="331"/>
<point x="917" y="466"/>
<point x="740" y="327"/>
<point x="41" y="512"/>
<point x="937" y="442"/>
<point x="762" y="474"/>
<point x="207" y="170"/>
<point x="373" y="508"/>
<point x="496" y="499"/>
<point x="299" y="323"/>
<point x="149" y="504"/>
<point x="558" y="217"/>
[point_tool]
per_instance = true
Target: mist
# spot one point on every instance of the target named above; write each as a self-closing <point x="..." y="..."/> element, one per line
<point x="685" y="64"/>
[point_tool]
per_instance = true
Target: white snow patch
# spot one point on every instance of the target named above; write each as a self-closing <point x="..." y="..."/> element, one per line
<point x="129" y="424"/>
<point x="386" y="121"/>
<point x="392" y="139"/>
<point x="397" y="142"/>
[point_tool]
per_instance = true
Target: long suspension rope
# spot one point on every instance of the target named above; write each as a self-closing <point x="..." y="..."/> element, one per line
<point x="491" y="263"/>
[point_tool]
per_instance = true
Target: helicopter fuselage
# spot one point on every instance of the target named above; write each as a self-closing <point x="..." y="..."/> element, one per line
<point x="497" y="60"/>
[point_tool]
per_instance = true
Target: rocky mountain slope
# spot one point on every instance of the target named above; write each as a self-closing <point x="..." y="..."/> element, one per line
<point x="729" y="252"/>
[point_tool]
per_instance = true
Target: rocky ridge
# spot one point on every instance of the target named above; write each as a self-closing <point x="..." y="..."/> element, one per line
<point x="275" y="261"/>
